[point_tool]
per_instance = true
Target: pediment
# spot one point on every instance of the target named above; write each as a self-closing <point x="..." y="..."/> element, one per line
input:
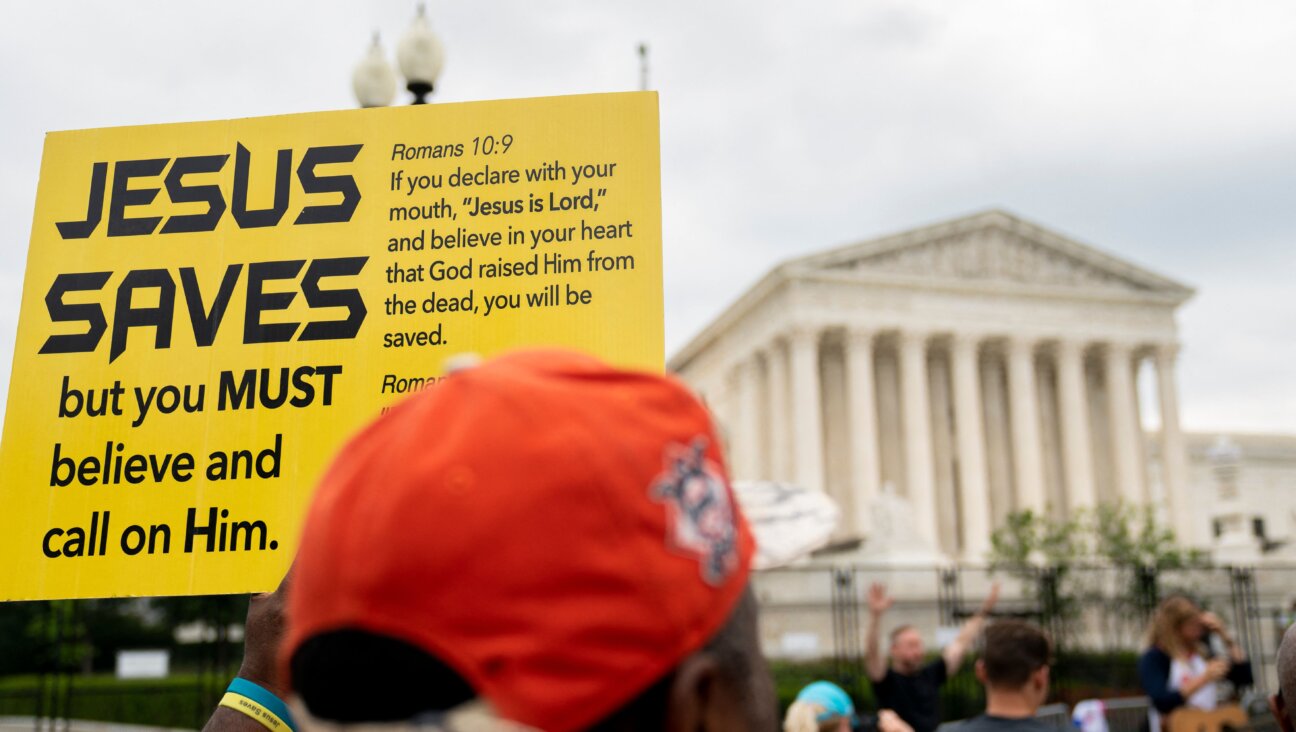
<point x="995" y="248"/>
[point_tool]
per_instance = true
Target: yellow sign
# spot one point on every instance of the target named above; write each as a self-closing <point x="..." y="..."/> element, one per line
<point x="210" y="309"/>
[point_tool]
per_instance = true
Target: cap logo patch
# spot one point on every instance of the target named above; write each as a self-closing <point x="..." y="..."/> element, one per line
<point x="700" y="518"/>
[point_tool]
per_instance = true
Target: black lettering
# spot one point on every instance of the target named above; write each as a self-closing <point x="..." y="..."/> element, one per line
<point x="328" y="372"/>
<point x="180" y="193"/>
<point x="45" y="545"/>
<point x="89" y="313"/>
<point x="301" y="382"/>
<point x="237" y="398"/>
<point x="193" y="531"/>
<point x="94" y="209"/>
<point x="132" y="546"/>
<point x="348" y="298"/>
<point x="273" y="402"/>
<point x="254" y="331"/>
<point x="159" y="530"/>
<point x="127" y="316"/>
<point x="252" y="219"/>
<point x="246" y="528"/>
<point x="343" y="184"/>
<point x="123" y="196"/>
<point x="207" y="322"/>
<point x="60" y="462"/>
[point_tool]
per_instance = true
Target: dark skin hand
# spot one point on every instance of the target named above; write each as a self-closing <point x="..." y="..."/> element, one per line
<point x="261" y="637"/>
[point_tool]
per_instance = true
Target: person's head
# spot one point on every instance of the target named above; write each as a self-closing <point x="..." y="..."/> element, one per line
<point x="820" y="707"/>
<point x="907" y="649"/>
<point x="1015" y="661"/>
<point x="1282" y="701"/>
<point x="1176" y="626"/>
<point x="543" y="533"/>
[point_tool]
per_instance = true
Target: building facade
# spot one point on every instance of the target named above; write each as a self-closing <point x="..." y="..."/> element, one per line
<point x="966" y="370"/>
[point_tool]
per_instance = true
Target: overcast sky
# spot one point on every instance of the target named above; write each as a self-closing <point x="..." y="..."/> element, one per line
<point x="1163" y="131"/>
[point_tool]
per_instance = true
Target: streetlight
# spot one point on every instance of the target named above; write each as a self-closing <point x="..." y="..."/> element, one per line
<point x="373" y="80"/>
<point x="420" y="56"/>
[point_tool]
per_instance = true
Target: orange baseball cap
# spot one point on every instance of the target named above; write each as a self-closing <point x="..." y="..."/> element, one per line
<point x="559" y="532"/>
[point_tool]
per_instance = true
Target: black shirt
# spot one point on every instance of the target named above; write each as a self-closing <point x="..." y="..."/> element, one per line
<point x="914" y="697"/>
<point x="987" y="723"/>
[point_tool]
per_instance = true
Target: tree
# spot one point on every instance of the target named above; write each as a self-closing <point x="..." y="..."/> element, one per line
<point x="1130" y="537"/>
<point x="1046" y="552"/>
<point x="1041" y="552"/>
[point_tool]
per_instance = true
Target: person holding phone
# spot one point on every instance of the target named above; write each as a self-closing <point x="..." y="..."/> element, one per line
<point x="1177" y="670"/>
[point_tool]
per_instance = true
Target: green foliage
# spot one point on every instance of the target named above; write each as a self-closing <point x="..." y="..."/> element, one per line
<point x="1113" y="533"/>
<point x="85" y="635"/>
<point x="1044" y="553"/>
<point x="1031" y="539"/>
<point x="1075" y="676"/>
<point x="19" y="644"/>
<point x="791" y="677"/>
<point x="176" y="702"/>
<point x="1127" y="537"/>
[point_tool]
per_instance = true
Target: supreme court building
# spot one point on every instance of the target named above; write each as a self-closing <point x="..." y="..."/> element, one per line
<point x="968" y="369"/>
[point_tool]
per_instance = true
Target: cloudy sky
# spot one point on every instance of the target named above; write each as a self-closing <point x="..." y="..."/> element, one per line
<point x="1163" y="131"/>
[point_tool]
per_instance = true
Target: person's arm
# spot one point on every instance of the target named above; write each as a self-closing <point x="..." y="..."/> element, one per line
<point x="1213" y="624"/>
<point x="954" y="652"/>
<point x="1215" y="670"/>
<point x="261" y="637"/>
<point x="1154" y="675"/>
<point x="889" y="721"/>
<point x="878" y="603"/>
<point x="1239" y="672"/>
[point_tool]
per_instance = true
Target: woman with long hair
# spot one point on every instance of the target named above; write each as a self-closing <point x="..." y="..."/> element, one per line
<point x="1175" y="670"/>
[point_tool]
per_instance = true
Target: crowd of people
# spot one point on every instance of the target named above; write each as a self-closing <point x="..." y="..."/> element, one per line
<point x="545" y="542"/>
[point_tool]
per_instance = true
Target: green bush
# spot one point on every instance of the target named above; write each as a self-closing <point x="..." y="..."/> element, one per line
<point x="178" y="701"/>
<point x="186" y="700"/>
<point x="1075" y="676"/>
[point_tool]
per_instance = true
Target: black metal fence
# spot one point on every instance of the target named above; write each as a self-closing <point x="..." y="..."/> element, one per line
<point x="55" y="664"/>
<point x="57" y="659"/>
<point x="1097" y="616"/>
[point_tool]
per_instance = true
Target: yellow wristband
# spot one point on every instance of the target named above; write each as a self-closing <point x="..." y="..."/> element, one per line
<point x="267" y="718"/>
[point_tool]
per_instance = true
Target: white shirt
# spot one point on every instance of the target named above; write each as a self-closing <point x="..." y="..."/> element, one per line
<point x="1181" y="671"/>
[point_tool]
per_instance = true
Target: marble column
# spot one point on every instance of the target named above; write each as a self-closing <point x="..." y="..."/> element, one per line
<point x="998" y="437"/>
<point x="1077" y="452"/>
<point x="747" y="420"/>
<point x="1028" y="460"/>
<point x="862" y="417"/>
<point x="1173" y="451"/>
<point x="916" y="421"/>
<point x="776" y="359"/>
<point x="974" y="492"/>
<point x="807" y="422"/>
<point x="1124" y="430"/>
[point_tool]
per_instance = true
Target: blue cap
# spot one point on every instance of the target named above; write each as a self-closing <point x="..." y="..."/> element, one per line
<point x="836" y="703"/>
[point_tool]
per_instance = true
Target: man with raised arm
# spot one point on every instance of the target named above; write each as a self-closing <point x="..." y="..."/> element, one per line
<point x="906" y="685"/>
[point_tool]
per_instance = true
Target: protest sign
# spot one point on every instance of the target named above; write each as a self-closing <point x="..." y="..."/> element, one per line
<point x="211" y="308"/>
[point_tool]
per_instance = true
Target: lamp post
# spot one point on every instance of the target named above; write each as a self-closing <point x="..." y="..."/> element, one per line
<point x="373" y="80"/>
<point x="420" y="57"/>
<point x="1236" y="544"/>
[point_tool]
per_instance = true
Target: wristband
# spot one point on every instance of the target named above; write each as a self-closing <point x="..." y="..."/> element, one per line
<point x="260" y="704"/>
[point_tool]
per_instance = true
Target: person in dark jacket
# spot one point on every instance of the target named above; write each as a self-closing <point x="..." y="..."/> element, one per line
<point x="1175" y="671"/>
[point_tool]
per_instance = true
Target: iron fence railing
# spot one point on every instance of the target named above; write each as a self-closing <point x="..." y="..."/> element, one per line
<point x="57" y="657"/>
